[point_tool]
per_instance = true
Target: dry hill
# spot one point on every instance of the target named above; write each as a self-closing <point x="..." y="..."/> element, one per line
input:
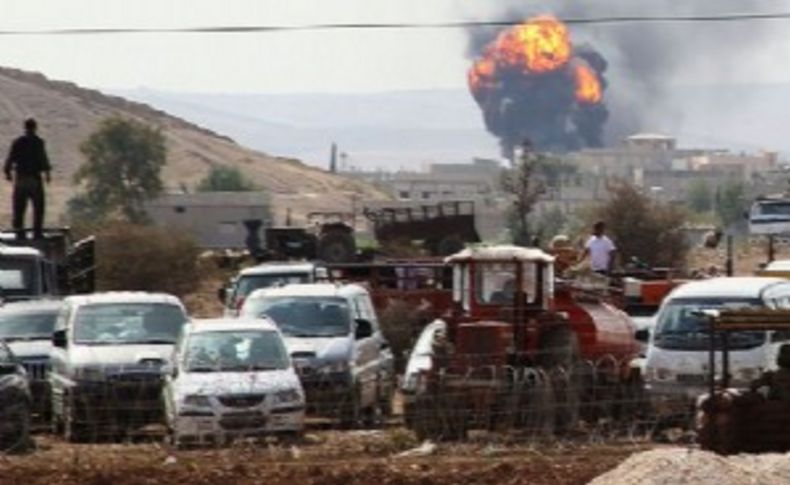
<point x="67" y="114"/>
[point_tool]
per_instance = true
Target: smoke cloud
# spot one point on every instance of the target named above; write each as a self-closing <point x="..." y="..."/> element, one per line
<point x="642" y="61"/>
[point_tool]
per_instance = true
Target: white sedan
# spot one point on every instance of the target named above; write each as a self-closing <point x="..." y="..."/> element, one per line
<point x="232" y="378"/>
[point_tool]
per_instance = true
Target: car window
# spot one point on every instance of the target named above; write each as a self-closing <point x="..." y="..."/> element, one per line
<point x="27" y="324"/>
<point x="304" y="316"/>
<point x="235" y="351"/>
<point x="249" y="283"/>
<point x="128" y="323"/>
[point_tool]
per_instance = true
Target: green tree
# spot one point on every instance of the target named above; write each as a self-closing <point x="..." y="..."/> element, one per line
<point x="225" y="179"/>
<point x="699" y="196"/>
<point x="731" y="202"/>
<point x="526" y="185"/>
<point x="643" y="228"/>
<point x="124" y="160"/>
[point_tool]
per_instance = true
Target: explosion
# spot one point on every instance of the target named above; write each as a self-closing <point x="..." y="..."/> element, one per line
<point x="533" y="84"/>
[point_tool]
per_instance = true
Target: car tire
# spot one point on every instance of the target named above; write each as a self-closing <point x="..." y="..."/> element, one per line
<point x="18" y="439"/>
<point x="350" y="411"/>
<point x="73" y="432"/>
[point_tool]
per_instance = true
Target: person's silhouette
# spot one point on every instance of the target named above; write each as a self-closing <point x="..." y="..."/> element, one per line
<point x="27" y="160"/>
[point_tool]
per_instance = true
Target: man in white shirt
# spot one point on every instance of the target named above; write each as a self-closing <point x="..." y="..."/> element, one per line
<point x="600" y="249"/>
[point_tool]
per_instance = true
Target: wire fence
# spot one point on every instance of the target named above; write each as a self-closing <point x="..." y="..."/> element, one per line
<point x="586" y="401"/>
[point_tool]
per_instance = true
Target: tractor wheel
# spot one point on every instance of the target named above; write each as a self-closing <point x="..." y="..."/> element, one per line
<point x="561" y="363"/>
<point x="541" y="417"/>
<point x="437" y="416"/>
<point x="337" y="247"/>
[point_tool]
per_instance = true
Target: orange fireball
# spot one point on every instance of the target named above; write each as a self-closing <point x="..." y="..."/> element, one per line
<point x="588" y="87"/>
<point x="545" y="43"/>
<point x="481" y="73"/>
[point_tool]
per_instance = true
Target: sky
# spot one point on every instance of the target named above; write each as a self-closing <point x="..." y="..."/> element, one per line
<point x="286" y="62"/>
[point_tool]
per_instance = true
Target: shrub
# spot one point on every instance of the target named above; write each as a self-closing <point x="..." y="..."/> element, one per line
<point x="145" y="258"/>
<point x="643" y="228"/>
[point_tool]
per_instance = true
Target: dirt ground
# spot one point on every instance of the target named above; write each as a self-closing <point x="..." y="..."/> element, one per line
<point x="325" y="457"/>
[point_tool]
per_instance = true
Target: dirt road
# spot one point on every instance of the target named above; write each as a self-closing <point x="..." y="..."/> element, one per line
<point x="326" y="457"/>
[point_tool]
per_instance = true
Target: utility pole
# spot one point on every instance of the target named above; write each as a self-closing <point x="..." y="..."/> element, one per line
<point x="333" y="158"/>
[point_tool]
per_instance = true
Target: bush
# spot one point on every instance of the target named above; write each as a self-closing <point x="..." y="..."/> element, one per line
<point x="401" y="323"/>
<point x="132" y="257"/>
<point x="643" y="228"/>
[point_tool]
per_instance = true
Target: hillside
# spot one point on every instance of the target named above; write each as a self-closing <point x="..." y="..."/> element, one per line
<point x="67" y="114"/>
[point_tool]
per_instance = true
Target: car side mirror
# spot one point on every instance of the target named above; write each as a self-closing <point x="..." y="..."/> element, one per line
<point x="362" y="329"/>
<point x="59" y="339"/>
<point x="222" y="294"/>
<point x="642" y="335"/>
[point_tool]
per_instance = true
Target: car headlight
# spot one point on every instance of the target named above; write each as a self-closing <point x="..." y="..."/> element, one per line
<point x="287" y="396"/>
<point x="197" y="401"/>
<point x="335" y="367"/>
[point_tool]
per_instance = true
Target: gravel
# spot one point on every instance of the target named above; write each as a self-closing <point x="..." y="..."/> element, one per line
<point x="695" y="467"/>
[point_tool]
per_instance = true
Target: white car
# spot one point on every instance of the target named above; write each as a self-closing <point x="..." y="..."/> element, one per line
<point x="332" y="332"/>
<point x="108" y="358"/>
<point x="232" y="378"/>
<point x="266" y="275"/>
<point x="677" y="363"/>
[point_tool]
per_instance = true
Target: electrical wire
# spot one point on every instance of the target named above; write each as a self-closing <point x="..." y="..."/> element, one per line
<point x="242" y="29"/>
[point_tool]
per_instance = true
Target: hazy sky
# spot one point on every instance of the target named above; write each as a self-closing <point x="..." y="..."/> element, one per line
<point x="347" y="61"/>
<point x="272" y="62"/>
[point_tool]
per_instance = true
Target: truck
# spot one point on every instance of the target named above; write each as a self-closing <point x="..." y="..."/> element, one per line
<point x="519" y="350"/>
<point x="39" y="268"/>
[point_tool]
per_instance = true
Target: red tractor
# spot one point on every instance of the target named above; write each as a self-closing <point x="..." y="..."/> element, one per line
<point x="519" y="351"/>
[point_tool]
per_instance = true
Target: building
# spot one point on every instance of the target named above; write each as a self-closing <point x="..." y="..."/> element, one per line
<point x="214" y="219"/>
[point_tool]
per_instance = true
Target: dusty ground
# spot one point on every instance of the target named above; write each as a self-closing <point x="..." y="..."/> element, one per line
<point x="322" y="458"/>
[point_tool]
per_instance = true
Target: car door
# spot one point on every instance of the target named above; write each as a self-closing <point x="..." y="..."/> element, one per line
<point x="366" y="353"/>
<point x="59" y="365"/>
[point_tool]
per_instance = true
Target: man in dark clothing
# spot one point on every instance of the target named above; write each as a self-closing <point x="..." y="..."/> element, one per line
<point x="26" y="161"/>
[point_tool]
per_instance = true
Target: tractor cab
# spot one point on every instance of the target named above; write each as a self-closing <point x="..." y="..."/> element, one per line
<point x="488" y="282"/>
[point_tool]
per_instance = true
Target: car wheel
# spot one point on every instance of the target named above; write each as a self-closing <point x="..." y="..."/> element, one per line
<point x="350" y="411"/>
<point x="16" y="435"/>
<point x="73" y="431"/>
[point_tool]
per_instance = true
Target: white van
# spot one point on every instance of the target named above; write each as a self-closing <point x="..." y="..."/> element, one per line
<point x="676" y="366"/>
<point x="108" y="360"/>
<point x="267" y="275"/>
<point x="333" y="335"/>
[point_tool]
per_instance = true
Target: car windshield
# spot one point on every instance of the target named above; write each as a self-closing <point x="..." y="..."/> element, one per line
<point x="304" y="316"/>
<point x="235" y="351"/>
<point x="128" y="323"/>
<point x="27" y="325"/>
<point x="248" y="284"/>
<point x="680" y="324"/>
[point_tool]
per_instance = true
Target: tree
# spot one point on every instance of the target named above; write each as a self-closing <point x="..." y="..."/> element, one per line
<point x="225" y="179"/>
<point x="124" y="159"/>
<point x="645" y="229"/>
<point x="699" y="196"/>
<point x="526" y="185"/>
<point x="731" y="202"/>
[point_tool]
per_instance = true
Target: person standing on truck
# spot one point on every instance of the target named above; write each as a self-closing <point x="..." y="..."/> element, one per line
<point x="27" y="160"/>
<point x="600" y="249"/>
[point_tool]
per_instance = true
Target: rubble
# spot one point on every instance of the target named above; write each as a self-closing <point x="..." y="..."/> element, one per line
<point x="668" y="466"/>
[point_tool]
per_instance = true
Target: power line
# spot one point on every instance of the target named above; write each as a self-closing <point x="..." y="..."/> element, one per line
<point x="241" y="29"/>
